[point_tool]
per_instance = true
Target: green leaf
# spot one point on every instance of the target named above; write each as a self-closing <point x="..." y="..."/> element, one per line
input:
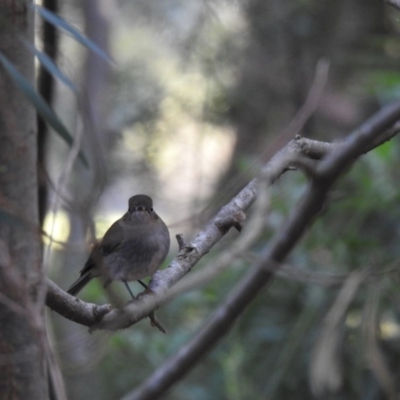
<point x="49" y="64"/>
<point x="384" y="151"/>
<point x="61" y="23"/>
<point x="41" y="106"/>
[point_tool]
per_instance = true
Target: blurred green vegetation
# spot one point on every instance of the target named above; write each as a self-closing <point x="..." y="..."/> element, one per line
<point x="192" y="106"/>
<point x="268" y="352"/>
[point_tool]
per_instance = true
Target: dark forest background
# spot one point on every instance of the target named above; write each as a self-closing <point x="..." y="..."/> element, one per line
<point x="199" y="96"/>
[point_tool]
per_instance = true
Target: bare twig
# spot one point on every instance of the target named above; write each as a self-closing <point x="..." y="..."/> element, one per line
<point x="192" y="252"/>
<point x="304" y="113"/>
<point x="60" y="188"/>
<point x="73" y="308"/>
<point x="312" y="100"/>
<point x="187" y="257"/>
<point x="326" y="372"/>
<point x="374" y="356"/>
<point x="233" y="213"/>
<point x="180" y="240"/>
<point x="326" y="279"/>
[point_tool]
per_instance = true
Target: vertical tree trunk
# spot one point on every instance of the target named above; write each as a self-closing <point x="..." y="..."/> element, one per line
<point x="46" y="87"/>
<point x="22" y="350"/>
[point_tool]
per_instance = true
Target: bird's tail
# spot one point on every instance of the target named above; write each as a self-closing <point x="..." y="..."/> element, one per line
<point x="79" y="284"/>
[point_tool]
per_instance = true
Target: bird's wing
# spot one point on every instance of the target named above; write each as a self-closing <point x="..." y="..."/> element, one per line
<point x="90" y="263"/>
<point x="110" y="243"/>
<point x="112" y="239"/>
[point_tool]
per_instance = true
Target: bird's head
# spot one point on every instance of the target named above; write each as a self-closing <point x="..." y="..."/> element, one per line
<point x="140" y="202"/>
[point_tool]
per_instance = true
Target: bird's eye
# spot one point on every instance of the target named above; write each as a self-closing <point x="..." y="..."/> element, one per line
<point x="151" y="209"/>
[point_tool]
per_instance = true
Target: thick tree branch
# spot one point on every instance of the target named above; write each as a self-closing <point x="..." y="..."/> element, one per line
<point x="187" y="257"/>
<point x="235" y="218"/>
<point x="90" y="314"/>
<point x="260" y="275"/>
<point x="73" y="308"/>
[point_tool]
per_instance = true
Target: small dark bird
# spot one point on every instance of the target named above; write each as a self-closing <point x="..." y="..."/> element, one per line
<point x="133" y="248"/>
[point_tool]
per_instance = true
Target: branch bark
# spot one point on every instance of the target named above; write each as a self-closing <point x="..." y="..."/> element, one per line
<point x="165" y="284"/>
<point x="276" y="252"/>
<point x="189" y="254"/>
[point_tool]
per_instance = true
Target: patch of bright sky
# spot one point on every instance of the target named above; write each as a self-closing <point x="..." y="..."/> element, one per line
<point x="188" y="153"/>
<point x="57" y="227"/>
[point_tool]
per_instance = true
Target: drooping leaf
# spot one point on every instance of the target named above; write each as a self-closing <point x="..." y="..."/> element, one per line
<point x="41" y="106"/>
<point x="61" y="23"/>
<point x="49" y="64"/>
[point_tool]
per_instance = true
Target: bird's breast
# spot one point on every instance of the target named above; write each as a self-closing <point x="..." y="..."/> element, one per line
<point x="138" y="256"/>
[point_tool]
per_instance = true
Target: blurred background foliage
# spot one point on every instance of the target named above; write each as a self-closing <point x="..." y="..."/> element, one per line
<point x="189" y="111"/>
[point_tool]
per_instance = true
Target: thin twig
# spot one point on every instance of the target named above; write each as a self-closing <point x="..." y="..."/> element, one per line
<point x="374" y="355"/>
<point x="192" y="252"/>
<point x="326" y="374"/>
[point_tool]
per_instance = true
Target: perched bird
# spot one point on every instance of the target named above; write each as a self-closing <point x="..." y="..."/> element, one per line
<point x="133" y="248"/>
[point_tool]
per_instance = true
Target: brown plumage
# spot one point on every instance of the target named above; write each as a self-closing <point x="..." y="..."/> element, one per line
<point x="134" y="247"/>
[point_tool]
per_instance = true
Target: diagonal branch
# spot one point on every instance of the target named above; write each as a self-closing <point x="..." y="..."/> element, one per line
<point x="90" y="314"/>
<point x="187" y="257"/>
<point x="260" y="275"/>
<point x="223" y="221"/>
